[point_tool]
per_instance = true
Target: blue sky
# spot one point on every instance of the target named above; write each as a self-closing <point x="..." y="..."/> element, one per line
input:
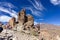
<point x="43" y="11"/>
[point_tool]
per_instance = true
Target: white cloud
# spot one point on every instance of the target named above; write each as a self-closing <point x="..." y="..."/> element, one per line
<point x="55" y="2"/>
<point x="12" y="13"/>
<point x="4" y="18"/>
<point x="7" y="8"/>
<point x="35" y="23"/>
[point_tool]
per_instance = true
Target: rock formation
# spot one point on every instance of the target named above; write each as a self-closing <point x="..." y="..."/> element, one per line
<point x="30" y="22"/>
<point x="18" y="28"/>
<point x="21" y="17"/>
<point x="12" y="22"/>
<point x="25" y="22"/>
<point x="37" y="27"/>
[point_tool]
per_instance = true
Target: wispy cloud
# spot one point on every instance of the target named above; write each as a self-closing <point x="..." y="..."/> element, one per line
<point x="36" y="9"/>
<point x="37" y="5"/>
<point x="34" y="12"/>
<point x="55" y="2"/>
<point x="11" y="12"/>
<point x="7" y="4"/>
<point x="38" y="20"/>
<point x="4" y="18"/>
<point x="7" y="8"/>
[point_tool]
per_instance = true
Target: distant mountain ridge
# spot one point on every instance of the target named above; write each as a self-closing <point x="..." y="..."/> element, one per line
<point x="48" y="26"/>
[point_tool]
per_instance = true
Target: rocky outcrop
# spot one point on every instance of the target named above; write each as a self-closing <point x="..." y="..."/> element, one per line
<point x="30" y="22"/>
<point x="22" y="29"/>
<point x="22" y="17"/>
<point x="23" y="36"/>
<point x="15" y="35"/>
<point x="24" y="22"/>
<point x="12" y="22"/>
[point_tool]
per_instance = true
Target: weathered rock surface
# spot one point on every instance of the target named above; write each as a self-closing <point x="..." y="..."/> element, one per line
<point x="30" y="22"/>
<point x="12" y="22"/>
<point x="21" y="17"/>
<point x="15" y="35"/>
<point x="23" y="36"/>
